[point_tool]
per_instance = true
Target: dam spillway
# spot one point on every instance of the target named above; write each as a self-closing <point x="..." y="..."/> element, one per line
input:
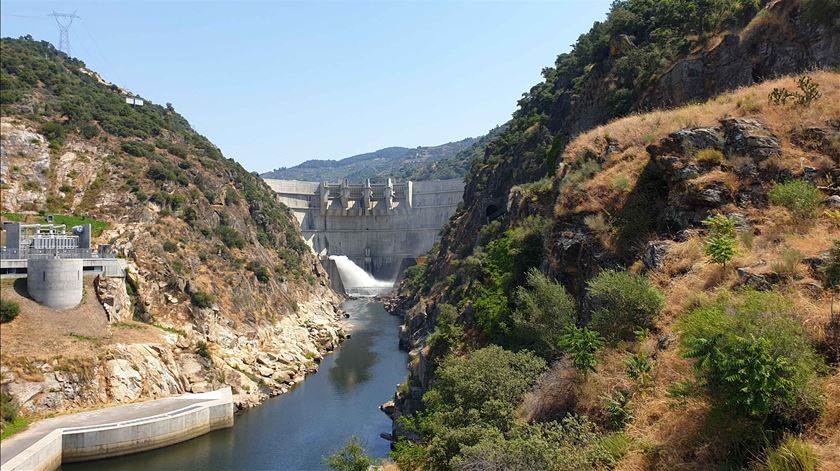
<point x="381" y="227"/>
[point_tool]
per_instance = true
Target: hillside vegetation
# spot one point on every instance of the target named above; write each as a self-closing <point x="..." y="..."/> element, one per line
<point x="648" y="292"/>
<point x="214" y="261"/>
<point x="422" y="163"/>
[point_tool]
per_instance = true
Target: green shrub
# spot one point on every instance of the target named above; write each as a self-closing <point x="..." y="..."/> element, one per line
<point x="161" y="174"/>
<point x="8" y="407"/>
<point x="572" y="444"/>
<point x="791" y="455"/>
<point x="231" y="237"/>
<point x="753" y="357"/>
<point x="721" y="244"/>
<point x="189" y="215"/>
<point x="447" y="334"/>
<point x="170" y="246"/>
<point x="55" y="133"/>
<point x="616" y="410"/>
<point x="474" y="396"/>
<point x="638" y="368"/>
<point x="8" y="310"/>
<point x="201" y="299"/>
<point x="202" y="349"/>
<point x="137" y="148"/>
<point x="800" y="197"/>
<point x="623" y="303"/>
<point x="414" y="279"/>
<point x="581" y="345"/>
<point x="350" y="458"/>
<point x="231" y="198"/>
<point x="543" y="310"/>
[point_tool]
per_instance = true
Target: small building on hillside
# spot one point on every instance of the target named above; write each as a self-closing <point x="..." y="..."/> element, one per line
<point x="55" y="261"/>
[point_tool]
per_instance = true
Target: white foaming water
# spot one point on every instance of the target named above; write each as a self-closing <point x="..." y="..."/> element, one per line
<point x="356" y="280"/>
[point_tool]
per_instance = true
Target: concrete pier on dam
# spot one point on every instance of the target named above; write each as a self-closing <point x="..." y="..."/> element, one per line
<point x="382" y="227"/>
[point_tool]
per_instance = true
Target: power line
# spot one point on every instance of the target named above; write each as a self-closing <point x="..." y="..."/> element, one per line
<point x="64" y="22"/>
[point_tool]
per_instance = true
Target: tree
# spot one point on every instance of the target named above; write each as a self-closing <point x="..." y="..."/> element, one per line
<point x="474" y="396"/>
<point x="544" y="310"/>
<point x="581" y="344"/>
<point x="350" y="458"/>
<point x="721" y="244"/>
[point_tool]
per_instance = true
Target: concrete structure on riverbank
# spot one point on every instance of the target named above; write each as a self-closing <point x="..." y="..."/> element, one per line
<point x="54" y="261"/>
<point x="116" y="431"/>
<point x="382" y="227"/>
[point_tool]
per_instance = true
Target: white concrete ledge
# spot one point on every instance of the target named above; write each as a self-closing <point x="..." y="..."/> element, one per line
<point x="66" y="445"/>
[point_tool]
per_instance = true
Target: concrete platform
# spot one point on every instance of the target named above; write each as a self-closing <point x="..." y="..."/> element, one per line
<point x="115" y="431"/>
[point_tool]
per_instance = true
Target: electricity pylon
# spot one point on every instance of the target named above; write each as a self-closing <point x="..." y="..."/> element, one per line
<point x="64" y="21"/>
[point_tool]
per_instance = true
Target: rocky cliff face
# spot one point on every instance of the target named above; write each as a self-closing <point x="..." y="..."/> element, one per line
<point x="637" y="179"/>
<point x="221" y="289"/>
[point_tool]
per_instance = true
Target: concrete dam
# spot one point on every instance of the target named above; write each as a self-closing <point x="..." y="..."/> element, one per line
<point x="382" y="227"/>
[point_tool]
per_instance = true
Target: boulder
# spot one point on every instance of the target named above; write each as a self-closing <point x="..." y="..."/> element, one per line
<point x="654" y="254"/>
<point x="751" y="138"/>
<point x="688" y="142"/>
<point x="126" y="384"/>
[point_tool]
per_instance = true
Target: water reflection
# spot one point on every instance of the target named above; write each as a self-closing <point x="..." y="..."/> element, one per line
<point x="354" y="365"/>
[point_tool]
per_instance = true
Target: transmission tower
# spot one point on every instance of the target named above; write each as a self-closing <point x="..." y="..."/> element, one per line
<point x="64" y="21"/>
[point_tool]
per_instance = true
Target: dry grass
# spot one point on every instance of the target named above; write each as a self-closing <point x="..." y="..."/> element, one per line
<point x="80" y="332"/>
<point x="677" y="432"/>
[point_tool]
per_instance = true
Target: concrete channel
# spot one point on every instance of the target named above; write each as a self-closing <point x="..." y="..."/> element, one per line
<point x="117" y="431"/>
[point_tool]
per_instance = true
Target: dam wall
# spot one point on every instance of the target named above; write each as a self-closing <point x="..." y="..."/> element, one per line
<point x="378" y="225"/>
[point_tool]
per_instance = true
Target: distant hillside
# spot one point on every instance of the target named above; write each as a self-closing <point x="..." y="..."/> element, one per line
<point x="448" y="160"/>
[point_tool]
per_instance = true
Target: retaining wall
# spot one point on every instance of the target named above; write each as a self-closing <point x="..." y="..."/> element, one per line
<point x="66" y="445"/>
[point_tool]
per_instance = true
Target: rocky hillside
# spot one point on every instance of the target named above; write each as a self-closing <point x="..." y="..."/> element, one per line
<point x="448" y="160"/>
<point x="221" y="290"/>
<point x="631" y="263"/>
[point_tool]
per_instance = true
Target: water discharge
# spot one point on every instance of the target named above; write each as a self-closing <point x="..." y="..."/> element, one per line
<point x="356" y="280"/>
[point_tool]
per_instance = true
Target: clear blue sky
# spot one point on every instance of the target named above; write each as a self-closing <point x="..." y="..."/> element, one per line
<point x="276" y="83"/>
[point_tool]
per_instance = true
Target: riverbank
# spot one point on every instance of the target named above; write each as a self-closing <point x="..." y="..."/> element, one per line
<point x="117" y="431"/>
<point x="315" y="418"/>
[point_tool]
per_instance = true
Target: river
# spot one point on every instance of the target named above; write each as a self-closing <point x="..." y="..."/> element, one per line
<point x="294" y="431"/>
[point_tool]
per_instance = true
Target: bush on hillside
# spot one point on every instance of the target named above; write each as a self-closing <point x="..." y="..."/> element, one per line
<point x="474" y="396"/>
<point x="623" y="303"/>
<point x="721" y="244"/>
<point x="231" y="237"/>
<point x="414" y="278"/>
<point x="447" y="335"/>
<point x="581" y="345"/>
<point x="8" y="310"/>
<point x="8" y="407"/>
<point x="800" y="197"/>
<point x="572" y="444"/>
<point x="754" y="358"/>
<point x="543" y="311"/>
<point x="201" y="299"/>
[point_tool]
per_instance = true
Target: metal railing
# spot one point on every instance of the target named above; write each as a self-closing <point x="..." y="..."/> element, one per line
<point x="27" y="253"/>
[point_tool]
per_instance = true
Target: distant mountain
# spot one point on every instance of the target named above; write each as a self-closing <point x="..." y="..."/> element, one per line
<point x="450" y="160"/>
